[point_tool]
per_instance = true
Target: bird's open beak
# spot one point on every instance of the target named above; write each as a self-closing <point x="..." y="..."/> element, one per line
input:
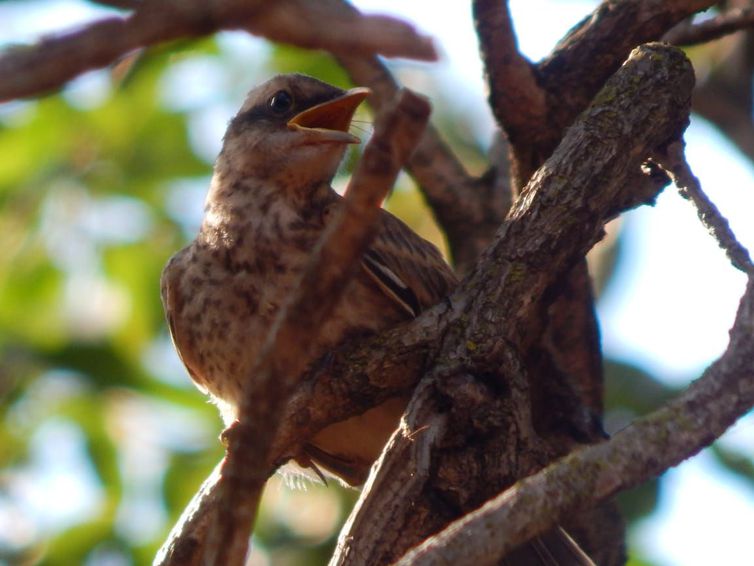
<point x="330" y="120"/>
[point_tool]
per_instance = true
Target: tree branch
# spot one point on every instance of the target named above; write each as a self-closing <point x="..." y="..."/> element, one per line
<point x="674" y="162"/>
<point x="185" y="545"/>
<point x="724" y="24"/>
<point x="53" y="61"/>
<point x="572" y="74"/>
<point x="358" y="376"/>
<point x="646" y="448"/>
<point x="646" y="97"/>
<point x="517" y="101"/>
<point x="479" y="386"/>
<point x="466" y="208"/>
<point x="327" y="25"/>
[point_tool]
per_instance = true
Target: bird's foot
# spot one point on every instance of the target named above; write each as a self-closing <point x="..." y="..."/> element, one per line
<point x="226" y="436"/>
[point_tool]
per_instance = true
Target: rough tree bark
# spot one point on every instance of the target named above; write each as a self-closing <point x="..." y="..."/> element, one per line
<point x="473" y="429"/>
<point x="506" y="372"/>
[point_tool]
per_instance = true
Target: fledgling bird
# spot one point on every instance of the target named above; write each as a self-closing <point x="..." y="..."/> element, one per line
<point x="269" y="201"/>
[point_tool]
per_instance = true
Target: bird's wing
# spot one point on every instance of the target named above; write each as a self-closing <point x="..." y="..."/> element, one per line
<point x="406" y="267"/>
<point x="172" y="303"/>
<point x="412" y="273"/>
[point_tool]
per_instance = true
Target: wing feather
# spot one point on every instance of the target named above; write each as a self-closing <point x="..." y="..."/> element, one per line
<point x="407" y="268"/>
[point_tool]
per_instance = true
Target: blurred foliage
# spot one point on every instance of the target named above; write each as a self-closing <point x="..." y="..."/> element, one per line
<point x="85" y="233"/>
<point x="97" y="190"/>
<point x="103" y="440"/>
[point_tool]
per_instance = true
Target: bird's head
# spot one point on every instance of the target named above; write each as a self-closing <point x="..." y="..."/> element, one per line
<point x="291" y="131"/>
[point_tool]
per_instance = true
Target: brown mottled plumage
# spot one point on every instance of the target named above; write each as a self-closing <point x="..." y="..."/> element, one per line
<point x="269" y="202"/>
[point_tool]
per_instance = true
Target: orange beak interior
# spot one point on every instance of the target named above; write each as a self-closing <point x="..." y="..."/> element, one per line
<point x="331" y="115"/>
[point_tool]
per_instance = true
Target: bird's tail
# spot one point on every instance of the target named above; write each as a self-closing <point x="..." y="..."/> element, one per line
<point x="554" y="548"/>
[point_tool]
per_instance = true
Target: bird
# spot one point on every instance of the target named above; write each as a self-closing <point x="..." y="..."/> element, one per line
<point x="270" y="200"/>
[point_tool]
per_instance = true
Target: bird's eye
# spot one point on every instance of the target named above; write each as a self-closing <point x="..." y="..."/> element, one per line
<point x="280" y="102"/>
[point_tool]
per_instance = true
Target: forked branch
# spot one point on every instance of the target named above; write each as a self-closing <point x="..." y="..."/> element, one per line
<point x="645" y="449"/>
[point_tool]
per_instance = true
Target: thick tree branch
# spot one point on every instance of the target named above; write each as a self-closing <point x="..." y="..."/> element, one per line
<point x="568" y="350"/>
<point x="572" y="74"/>
<point x="649" y="446"/>
<point x="570" y="332"/>
<point x="557" y="218"/>
<point x="724" y="24"/>
<point x="648" y="96"/>
<point x="36" y="69"/>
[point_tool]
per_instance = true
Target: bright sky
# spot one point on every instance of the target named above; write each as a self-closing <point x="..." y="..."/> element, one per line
<point x="675" y="297"/>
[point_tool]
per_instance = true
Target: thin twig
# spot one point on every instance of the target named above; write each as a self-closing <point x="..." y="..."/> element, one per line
<point x="286" y="354"/>
<point x="728" y="22"/>
<point x="675" y="163"/>
<point x="650" y="445"/>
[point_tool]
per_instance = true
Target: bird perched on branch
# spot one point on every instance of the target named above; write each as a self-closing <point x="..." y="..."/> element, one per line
<point x="269" y="202"/>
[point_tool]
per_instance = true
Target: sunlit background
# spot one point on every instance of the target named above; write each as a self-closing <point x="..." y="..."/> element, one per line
<point x="103" y="439"/>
